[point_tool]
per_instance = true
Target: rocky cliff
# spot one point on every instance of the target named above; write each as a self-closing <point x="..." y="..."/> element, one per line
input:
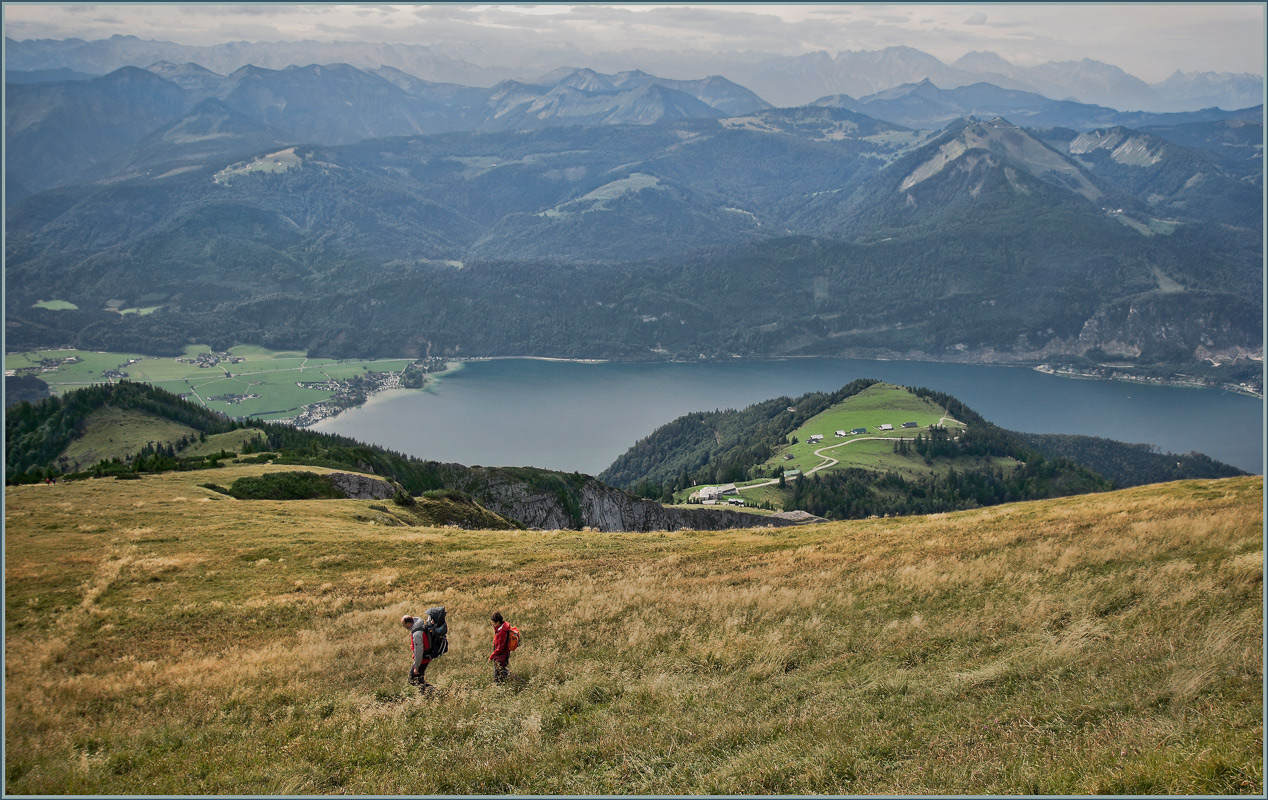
<point x="1180" y="324"/>
<point x="573" y="501"/>
<point x="361" y="487"/>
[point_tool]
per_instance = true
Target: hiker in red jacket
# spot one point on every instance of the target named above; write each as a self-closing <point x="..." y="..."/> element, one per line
<point x="501" y="654"/>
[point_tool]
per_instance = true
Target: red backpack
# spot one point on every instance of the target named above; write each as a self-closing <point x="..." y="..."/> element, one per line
<point x="512" y="637"/>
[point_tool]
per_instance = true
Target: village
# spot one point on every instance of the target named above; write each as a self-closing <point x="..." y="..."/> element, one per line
<point x="347" y="394"/>
<point x="1109" y="372"/>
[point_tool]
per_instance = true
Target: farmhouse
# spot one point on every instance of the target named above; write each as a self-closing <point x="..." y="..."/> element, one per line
<point x="706" y="494"/>
<point x="911" y="425"/>
<point x="815" y="438"/>
<point x="859" y="430"/>
<point x="840" y="434"/>
<point x="886" y="427"/>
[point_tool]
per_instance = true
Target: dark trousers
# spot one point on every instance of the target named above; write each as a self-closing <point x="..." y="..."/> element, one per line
<point x="500" y="672"/>
<point x="418" y="679"/>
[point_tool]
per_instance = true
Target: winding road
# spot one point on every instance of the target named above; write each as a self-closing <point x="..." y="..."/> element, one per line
<point x="829" y="461"/>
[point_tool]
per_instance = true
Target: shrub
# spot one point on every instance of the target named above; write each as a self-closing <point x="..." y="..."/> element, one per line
<point x="286" y="486"/>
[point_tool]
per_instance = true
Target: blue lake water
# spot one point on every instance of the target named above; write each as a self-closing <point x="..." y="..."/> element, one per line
<point x="581" y="416"/>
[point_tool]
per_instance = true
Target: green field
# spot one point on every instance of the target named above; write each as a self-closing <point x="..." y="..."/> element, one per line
<point x="271" y="374"/>
<point x="877" y="405"/>
<point x="65" y="377"/>
<point x="57" y="305"/>
<point x="271" y="163"/>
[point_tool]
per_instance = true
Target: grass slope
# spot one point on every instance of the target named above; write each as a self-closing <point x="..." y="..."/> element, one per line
<point x="876" y="405"/>
<point x="162" y="638"/>
<point x="117" y="433"/>
<point x="232" y="441"/>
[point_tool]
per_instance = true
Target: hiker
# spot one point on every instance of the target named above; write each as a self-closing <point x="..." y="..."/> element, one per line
<point x="501" y="654"/>
<point x="419" y="647"/>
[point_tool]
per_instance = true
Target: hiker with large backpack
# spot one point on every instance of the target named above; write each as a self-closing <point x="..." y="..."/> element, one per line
<point x="506" y="638"/>
<point x="428" y="639"/>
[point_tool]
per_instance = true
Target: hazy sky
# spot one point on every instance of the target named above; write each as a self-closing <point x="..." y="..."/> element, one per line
<point x="1149" y="40"/>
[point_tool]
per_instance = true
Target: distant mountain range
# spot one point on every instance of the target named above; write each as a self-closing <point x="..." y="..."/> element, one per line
<point x="790" y="80"/>
<point x="780" y="80"/>
<point x="925" y="105"/>
<point x="354" y="210"/>
<point x="86" y="129"/>
<point x="777" y="232"/>
<point x="132" y="120"/>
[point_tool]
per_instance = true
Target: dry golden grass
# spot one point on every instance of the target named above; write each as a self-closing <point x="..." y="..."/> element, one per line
<point x="162" y="638"/>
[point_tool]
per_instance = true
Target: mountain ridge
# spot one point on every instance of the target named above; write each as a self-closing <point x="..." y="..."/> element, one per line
<point x="782" y="80"/>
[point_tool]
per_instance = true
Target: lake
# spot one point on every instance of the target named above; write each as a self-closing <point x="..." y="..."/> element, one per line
<point x="580" y="416"/>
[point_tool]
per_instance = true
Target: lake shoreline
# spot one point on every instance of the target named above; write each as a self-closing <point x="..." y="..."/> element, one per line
<point x="456" y="364"/>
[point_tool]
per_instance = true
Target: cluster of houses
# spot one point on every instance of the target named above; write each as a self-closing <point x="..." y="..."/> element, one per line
<point x="712" y="495"/>
<point x="234" y="399"/>
<point x="45" y="365"/>
<point x="815" y="438"/>
<point x="208" y="360"/>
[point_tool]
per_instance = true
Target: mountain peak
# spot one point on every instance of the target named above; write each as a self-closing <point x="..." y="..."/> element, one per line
<point x="1005" y="145"/>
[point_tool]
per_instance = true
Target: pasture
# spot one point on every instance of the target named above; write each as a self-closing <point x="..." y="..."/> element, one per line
<point x="163" y="638"/>
<point x="273" y="375"/>
<point x="876" y="405"/>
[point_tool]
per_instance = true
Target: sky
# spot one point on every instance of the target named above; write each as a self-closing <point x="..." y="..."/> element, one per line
<point x="1148" y="40"/>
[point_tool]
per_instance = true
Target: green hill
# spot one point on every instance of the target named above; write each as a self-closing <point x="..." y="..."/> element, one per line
<point x="950" y="459"/>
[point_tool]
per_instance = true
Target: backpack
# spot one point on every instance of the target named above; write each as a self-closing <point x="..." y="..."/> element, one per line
<point x="437" y="633"/>
<point x="512" y="637"/>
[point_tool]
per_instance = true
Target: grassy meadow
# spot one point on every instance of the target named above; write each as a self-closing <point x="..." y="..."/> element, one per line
<point x="164" y="638"/>
<point x="874" y="406"/>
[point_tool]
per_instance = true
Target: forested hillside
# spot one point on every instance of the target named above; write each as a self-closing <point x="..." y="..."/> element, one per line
<point x="1128" y="464"/>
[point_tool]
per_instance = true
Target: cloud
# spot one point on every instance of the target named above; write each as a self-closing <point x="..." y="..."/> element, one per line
<point x="1149" y="40"/>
